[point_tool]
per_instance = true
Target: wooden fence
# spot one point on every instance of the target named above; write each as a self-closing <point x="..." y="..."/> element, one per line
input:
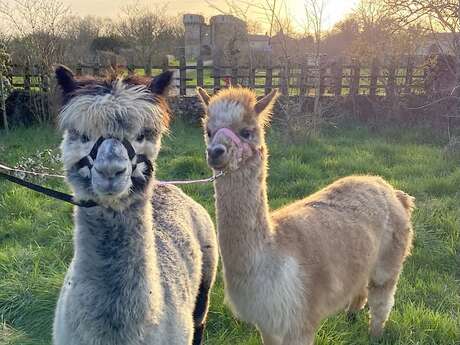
<point x="335" y="79"/>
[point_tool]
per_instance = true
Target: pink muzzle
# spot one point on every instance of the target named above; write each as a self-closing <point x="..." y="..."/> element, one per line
<point x="243" y="148"/>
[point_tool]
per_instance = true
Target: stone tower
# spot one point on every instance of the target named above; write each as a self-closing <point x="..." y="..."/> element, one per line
<point x="225" y="39"/>
<point x="195" y="33"/>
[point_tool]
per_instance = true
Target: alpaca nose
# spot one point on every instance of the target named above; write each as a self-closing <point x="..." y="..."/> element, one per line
<point x="110" y="170"/>
<point x="112" y="159"/>
<point x="216" y="152"/>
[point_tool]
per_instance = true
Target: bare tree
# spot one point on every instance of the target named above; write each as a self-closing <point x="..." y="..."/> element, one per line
<point x="80" y="35"/>
<point x="38" y="28"/>
<point x="149" y="31"/>
<point x="314" y="14"/>
<point x="40" y="25"/>
<point x="438" y="16"/>
<point x="380" y="35"/>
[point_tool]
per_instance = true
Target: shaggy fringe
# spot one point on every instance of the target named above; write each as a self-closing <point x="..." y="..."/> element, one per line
<point x="125" y="109"/>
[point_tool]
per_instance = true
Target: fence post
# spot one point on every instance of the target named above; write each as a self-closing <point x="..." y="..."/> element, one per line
<point x="199" y="72"/>
<point x="303" y="79"/>
<point x="234" y="77"/>
<point x="44" y="81"/>
<point x="165" y="64"/>
<point x="391" y="83"/>
<point x="252" y="77"/>
<point x="96" y="69"/>
<point x="375" y="70"/>
<point x="148" y="67"/>
<point x="131" y="69"/>
<point x="355" y="77"/>
<point x="79" y="69"/>
<point x="182" y="73"/>
<point x="409" y="75"/>
<point x="338" y="77"/>
<point x="27" y="77"/>
<point x="269" y="77"/>
<point x="322" y="80"/>
<point x="427" y="87"/>
<point x="216" y="77"/>
<point x="284" y="78"/>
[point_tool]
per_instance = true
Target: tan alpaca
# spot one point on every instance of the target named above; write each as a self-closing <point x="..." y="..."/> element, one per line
<point x="287" y="270"/>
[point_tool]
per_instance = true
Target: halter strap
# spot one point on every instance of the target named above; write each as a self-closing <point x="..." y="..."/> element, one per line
<point x="241" y="146"/>
<point x="88" y="160"/>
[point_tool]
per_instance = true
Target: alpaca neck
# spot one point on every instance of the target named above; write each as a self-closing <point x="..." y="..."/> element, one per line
<point x="242" y="214"/>
<point x="115" y="253"/>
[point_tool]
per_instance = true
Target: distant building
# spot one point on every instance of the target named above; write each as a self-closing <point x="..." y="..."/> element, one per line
<point x="223" y="37"/>
<point x="197" y="35"/>
<point x="438" y="43"/>
<point x="260" y="43"/>
<point x="226" y="40"/>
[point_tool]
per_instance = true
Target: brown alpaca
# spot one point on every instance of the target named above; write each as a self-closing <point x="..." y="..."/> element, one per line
<point x="287" y="270"/>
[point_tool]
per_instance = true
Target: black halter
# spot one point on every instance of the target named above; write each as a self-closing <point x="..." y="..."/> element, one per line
<point x="88" y="161"/>
<point x="135" y="159"/>
<point x="138" y="183"/>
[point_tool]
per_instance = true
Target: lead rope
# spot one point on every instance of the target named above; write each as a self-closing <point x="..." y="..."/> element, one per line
<point x="43" y="190"/>
<point x="67" y="197"/>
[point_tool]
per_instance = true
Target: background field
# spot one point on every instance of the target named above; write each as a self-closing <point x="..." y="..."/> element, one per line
<point x="36" y="232"/>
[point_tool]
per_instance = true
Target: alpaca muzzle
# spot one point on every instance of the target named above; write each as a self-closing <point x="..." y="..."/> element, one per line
<point x="108" y="161"/>
<point x="218" y="150"/>
<point x="88" y="161"/>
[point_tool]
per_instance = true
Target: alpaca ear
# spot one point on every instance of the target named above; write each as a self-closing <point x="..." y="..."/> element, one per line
<point x="266" y="103"/>
<point x="160" y="84"/>
<point x="65" y="79"/>
<point x="203" y="95"/>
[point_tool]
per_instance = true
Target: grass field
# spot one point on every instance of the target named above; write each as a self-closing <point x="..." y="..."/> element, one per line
<point x="36" y="232"/>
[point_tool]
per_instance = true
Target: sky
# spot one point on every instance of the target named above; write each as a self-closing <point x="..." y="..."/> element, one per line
<point x="335" y="10"/>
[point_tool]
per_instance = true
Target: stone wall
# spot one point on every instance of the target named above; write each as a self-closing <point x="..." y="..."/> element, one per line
<point x="361" y="108"/>
<point x="188" y="109"/>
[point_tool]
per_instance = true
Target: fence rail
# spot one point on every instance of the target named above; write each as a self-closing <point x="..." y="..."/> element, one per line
<point x="335" y="79"/>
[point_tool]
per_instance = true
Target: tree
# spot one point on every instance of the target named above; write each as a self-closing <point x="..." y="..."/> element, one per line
<point x="338" y="41"/>
<point x="110" y="43"/>
<point x="314" y="14"/>
<point x="436" y="16"/>
<point x="149" y="32"/>
<point x="80" y="35"/>
<point x="5" y="87"/>
<point x="39" y="26"/>
<point x="380" y="36"/>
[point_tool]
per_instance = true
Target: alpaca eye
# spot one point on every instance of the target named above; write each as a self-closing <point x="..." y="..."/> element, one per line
<point x="84" y="138"/>
<point x="209" y="133"/>
<point x="73" y="134"/>
<point x="246" y="133"/>
<point x="140" y="137"/>
<point x="150" y="134"/>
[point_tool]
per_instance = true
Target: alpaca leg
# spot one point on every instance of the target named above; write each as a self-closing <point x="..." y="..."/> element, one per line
<point x="200" y="312"/>
<point x="385" y="277"/>
<point x="381" y="300"/>
<point x="357" y="304"/>
<point x="268" y="339"/>
<point x="304" y="339"/>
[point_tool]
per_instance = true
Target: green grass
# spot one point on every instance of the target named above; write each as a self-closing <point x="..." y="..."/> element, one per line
<point x="36" y="232"/>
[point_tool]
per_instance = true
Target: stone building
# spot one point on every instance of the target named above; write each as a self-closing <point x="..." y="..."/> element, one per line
<point x="197" y="36"/>
<point x="224" y="39"/>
